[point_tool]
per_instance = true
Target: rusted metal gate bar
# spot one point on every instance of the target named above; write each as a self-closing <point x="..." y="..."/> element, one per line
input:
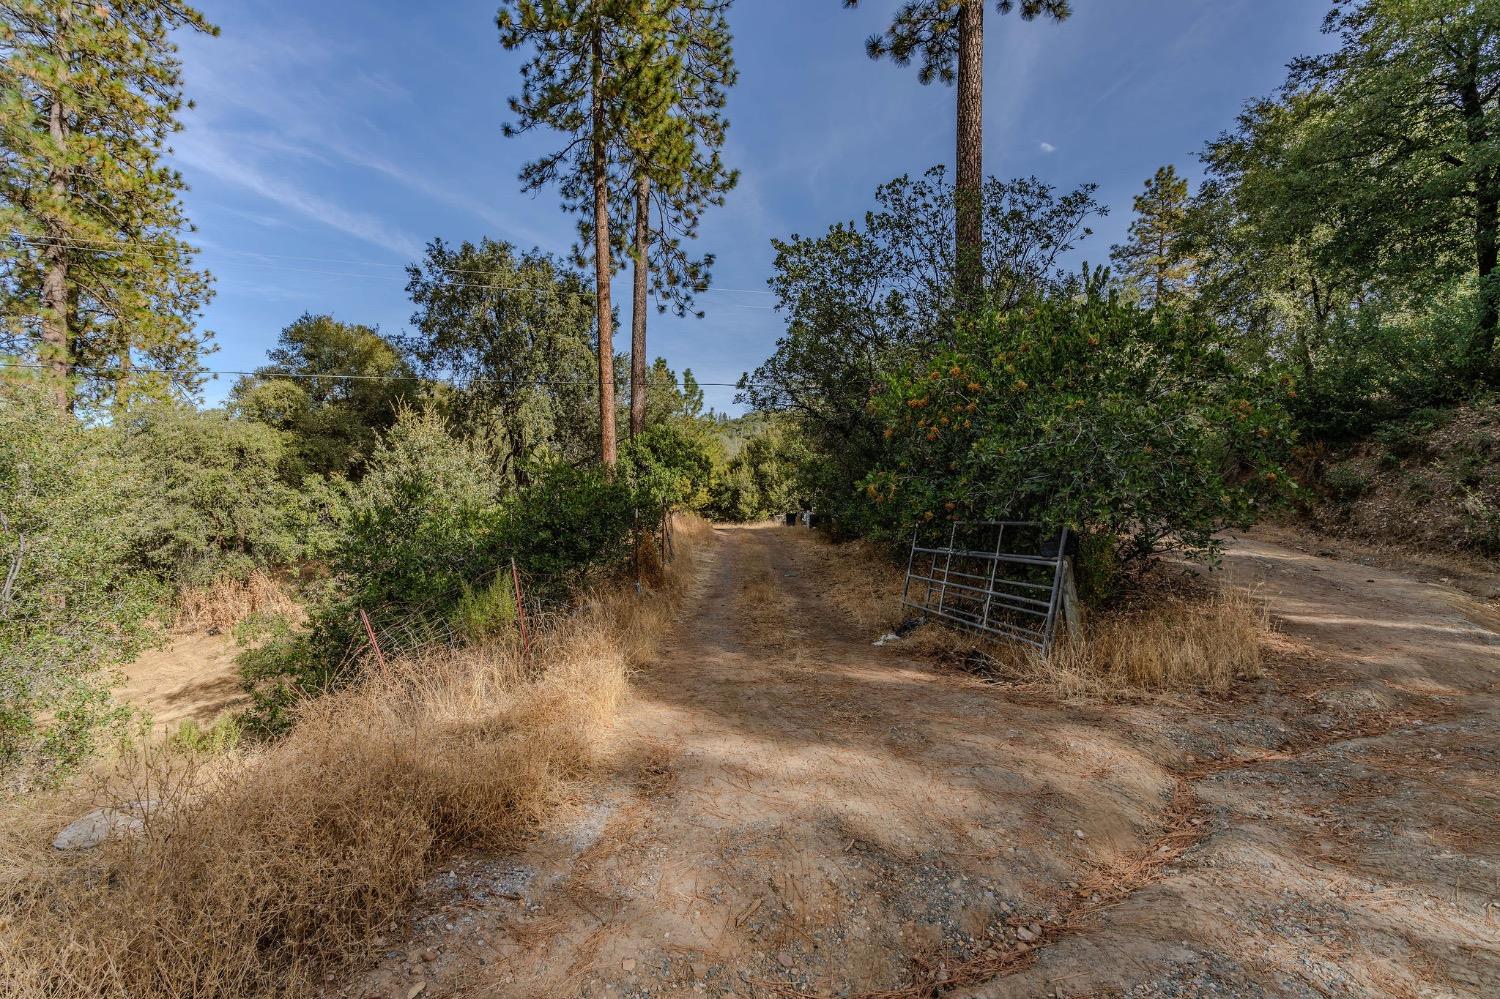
<point x="1012" y="593"/>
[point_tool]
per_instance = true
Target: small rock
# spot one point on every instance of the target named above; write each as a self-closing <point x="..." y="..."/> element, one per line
<point x="416" y="990"/>
<point x="429" y="955"/>
<point x="784" y="959"/>
<point x="628" y="964"/>
<point x="88" y="831"/>
<point x="1026" y="935"/>
<point x="1078" y="833"/>
<point x="700" y="970"/>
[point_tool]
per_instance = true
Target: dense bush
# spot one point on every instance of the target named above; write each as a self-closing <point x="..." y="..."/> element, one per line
<point x="73" y="605"/>
<point x="571" y="521"/>
<point x="672" y="463"/>
<point x="215" y="504"/>
<point x="425" y="519"/>
<point x="422" y="544"/>
<point x="1081" y="410"/>
<point x="764" y="477"/>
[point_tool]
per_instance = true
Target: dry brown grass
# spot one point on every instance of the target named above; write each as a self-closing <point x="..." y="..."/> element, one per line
<point x="1200" y="637"/>
<point x="260" y="870"/>
<point x="1199" y="642"/>
<point x="227" y="601"/>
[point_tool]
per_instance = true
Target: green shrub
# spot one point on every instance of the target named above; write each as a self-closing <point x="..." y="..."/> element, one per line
<point x="73" y="605"/>
<point x="1346" y="483"/>
<point x="486" y="612"/>
<point x="672" y="463"/>
<point x="193" y="739"/>
<point x="571" y="522"/>
<point x="214" y="503"/>
<point x="1087" y="412"/>
<point x="424" y="521"/>
<point x="763" y="477"/>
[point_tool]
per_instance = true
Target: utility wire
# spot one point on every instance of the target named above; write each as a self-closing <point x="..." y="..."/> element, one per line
<point x="258" y="259"/>
<point x="309" y="376"/>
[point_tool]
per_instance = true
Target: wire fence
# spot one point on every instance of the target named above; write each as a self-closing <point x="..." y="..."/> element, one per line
<point x="395" y="629"/>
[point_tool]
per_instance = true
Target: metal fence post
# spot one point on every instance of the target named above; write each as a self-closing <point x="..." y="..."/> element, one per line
<point x="947" y="566"/>
<point x="1057" y="569"/>
<point x="374" y="642"/>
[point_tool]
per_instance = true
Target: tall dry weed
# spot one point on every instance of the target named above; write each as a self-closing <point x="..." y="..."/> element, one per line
<point x="227" y="601"/>
<point x="1202" y="643"/>
<point x="258" y="871"/>
<point x="1202" y="640"/>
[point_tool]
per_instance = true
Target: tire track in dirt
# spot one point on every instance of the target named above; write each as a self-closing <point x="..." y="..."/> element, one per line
<point x="797" y="813"/>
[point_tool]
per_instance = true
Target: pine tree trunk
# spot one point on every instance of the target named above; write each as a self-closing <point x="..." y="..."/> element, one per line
<point x="56" y="336"/>
<point x="969" y="181"/>
<point x="603" y="267"/>
<point x="638" y="305"/>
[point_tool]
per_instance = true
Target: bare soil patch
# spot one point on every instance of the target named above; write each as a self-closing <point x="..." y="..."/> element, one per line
<point x="792" y="811"/>
<point x="193" y="677"/>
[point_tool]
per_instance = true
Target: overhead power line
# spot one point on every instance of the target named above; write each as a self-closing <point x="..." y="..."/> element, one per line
<point x="311" y="375"/>
<point x="259" y="259"/>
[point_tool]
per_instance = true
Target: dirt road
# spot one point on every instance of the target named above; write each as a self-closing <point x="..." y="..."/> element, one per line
<point x="795" y="812"/>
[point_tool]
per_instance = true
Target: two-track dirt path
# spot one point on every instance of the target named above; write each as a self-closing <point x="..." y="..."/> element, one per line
<point x="795" y="812"/>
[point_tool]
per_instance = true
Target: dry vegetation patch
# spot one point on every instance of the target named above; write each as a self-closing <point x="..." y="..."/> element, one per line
<point x="1195" y="634"/>
<point x="258" y="870"/>
<point x="224" y="603"/>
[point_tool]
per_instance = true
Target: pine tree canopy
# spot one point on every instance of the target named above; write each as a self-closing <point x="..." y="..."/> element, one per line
<point x="678" y="150"/>
<point x="1155" y="259"/>
<point x="94" y="274"/>
<point x="929" y="29"/>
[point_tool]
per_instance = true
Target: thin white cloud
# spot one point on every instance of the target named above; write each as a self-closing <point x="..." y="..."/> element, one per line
<point x="1047" y="147"/>
<point x="218" y="161"/>
<point x="293" y="90"/>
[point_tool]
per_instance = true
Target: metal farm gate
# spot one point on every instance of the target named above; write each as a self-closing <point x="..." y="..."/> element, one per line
<point x="1009" y="578"/>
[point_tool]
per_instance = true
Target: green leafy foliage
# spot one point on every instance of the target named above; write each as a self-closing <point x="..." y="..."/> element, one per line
<point x="862" y="299"/>
<point x="215" y="501"/>
<point x="331" y="421"/>
<point x="516" y="363"/>
<point x="425" y="519"/>
<point x="1082" y="411"/>
<point x="765" y="476"/>
<point x="487" y="611"/>
<point x="73" y="605"/>
<point x="570" y="522"/>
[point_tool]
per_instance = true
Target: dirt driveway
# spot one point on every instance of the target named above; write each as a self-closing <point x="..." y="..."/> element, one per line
<point x="795" y="812"/>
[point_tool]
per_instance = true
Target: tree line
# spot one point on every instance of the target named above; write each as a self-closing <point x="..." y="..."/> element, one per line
<point x="1333" y="270"/>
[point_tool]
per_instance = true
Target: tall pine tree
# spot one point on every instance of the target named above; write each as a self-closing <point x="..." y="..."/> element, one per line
<point x="1155" y="259"/>
<point x="592" y="79"/>
<point x="94" y="275"/>
<point x="949" y="37"/>
<point x="676" y="169"/>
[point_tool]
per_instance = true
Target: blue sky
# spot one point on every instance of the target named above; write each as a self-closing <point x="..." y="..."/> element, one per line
<point x="330" y="140"/>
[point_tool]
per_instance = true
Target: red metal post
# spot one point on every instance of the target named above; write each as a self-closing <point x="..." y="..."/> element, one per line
<point x="515" y="578"/>
<point x="374" y="642"/>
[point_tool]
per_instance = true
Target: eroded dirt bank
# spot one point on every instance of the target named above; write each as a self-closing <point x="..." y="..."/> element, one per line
<point x="795" y="812"/>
